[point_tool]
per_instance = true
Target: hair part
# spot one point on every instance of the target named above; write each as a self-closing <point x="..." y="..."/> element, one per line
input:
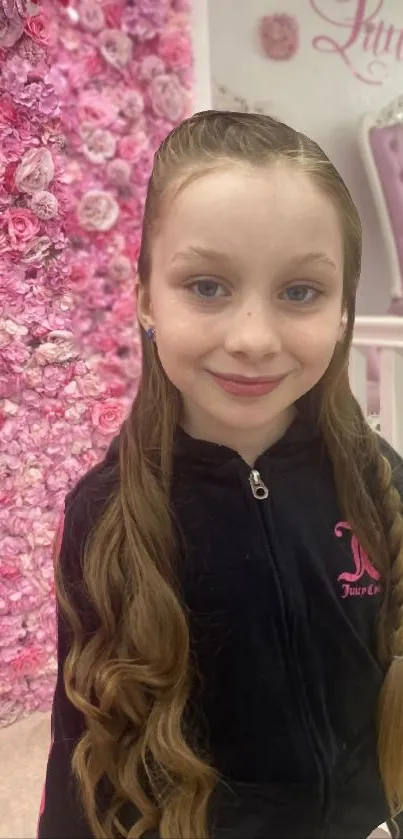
<point x="133" y="678"/>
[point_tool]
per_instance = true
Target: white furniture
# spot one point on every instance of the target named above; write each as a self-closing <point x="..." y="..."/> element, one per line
<point x="381" y="142"/>
<point x="386" y="334"/>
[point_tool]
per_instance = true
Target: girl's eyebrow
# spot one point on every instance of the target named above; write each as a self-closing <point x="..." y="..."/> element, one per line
<point x="193" y="251"/>
<point x="210" y="254"/>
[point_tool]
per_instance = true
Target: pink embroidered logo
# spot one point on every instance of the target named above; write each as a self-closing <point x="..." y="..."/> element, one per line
<point x="362" y="567"/>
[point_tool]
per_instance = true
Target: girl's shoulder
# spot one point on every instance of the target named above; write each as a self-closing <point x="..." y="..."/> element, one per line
<point x="83" y="506"/>
<point x="396" y="462"/>
<point x="99" y="480"/>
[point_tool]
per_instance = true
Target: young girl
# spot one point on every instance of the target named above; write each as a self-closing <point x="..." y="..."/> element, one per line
<point x="230" y="577"/>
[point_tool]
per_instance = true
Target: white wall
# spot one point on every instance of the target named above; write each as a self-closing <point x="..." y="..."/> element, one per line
<point x="315" y="92"/>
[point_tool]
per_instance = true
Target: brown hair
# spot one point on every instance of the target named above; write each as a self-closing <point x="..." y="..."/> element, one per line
<point x="132" y="679"/>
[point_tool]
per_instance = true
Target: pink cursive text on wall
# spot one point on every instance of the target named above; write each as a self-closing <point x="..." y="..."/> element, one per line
<point x="357" y="23"/>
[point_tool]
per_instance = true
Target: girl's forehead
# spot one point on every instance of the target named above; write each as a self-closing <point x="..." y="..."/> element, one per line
<point x="250" y="211"/>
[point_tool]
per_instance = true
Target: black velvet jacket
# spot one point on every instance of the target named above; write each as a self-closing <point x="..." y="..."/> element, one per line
<point x="282" y="604"/>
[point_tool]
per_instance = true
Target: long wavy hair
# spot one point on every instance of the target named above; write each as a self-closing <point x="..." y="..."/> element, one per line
<point x="133" y="678"/>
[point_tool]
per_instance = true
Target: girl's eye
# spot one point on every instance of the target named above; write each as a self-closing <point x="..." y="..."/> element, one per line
<point x="208" y="289"/>
<point x="302" y="294"/>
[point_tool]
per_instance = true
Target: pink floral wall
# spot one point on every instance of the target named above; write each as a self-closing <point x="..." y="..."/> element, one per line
<point x="88" y="89"/>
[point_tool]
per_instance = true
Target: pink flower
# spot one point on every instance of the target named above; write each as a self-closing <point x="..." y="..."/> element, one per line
<point x="28" y="660"/>
<point x="91" y="16"/>
<point x="160" y="130"/>
<point x="118" y="172"/>
<point x="99" y="146"/>
<point x="133" y="146"/>
<point x="37" y="251"/>
<point x="175" y="49"/>
<point x="45" y="205"/>
<point x="143" y="168"/>
<point x="133" y="104"/>
<point x="42" y="29"/>
<point x="11" y="30"/>
<point x="8" y="112"/>
<point x="35" y="171"/>
<point x="30" y="50"/>
<point x="9" y="571"/>
<point x="96" y="108"/>
<point x="168" y="98"/>
<point x="123" y="309"/>
<point x="19" y="7"/>
<point x="97" y="210"/>
<point x="113" y="15"/>
<point x="107" y="416"/>
<point x="22" y="226"/>
<point x="145" y="19"/>
<point x="279" y="36"/>
<point x="120" y="268"/>
<point x="115" y="47"/>
<point x="151" y="66"/>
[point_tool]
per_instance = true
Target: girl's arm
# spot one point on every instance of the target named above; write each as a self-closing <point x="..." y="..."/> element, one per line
<point x="61" y="814"/>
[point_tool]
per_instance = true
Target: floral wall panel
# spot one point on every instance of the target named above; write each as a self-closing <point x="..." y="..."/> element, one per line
<point x="87" y="92"/>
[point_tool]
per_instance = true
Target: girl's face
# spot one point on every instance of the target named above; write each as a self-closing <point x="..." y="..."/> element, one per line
<point x="245" y="295"/>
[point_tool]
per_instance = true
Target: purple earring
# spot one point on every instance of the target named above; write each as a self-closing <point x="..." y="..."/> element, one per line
<point x="150" y="333"/>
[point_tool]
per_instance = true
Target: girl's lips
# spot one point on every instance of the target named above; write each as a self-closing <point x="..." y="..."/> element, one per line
<point x="243" y="386"/>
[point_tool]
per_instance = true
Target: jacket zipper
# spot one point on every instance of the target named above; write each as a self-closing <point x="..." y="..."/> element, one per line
<point x="261" y="493"/>
<point x="258" y="486"/>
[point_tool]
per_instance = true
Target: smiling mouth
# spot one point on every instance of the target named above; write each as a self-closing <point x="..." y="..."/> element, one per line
<point x="249" y="380"/>
<point x="246" y="386"/>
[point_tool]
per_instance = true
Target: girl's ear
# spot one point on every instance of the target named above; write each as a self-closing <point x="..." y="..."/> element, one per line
<point x="143" y="305"/>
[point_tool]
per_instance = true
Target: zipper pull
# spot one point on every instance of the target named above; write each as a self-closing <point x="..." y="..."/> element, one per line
<point x="258" y="487"/>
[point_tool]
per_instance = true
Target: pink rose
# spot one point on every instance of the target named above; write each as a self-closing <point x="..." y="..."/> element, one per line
<point x="145" y="19"/>
<point x="104" y="343"/>
<point x="9" y="571"/>
<point x="11" y="30"/>
<point x="113" y="15"/>
<point x="168" y="98"/>
<point x="8" y="112"/>
<point x="35" y="171"/>
<point x="133" y="146"/>
<point x="42" y="29"/>
<point x="175" y="49"/>
<point x="133" y="104"/>
<point x="91" y="16"/>
<point x="99" y="146"/>
<point x="28" y="660"/>
<point x="107" y="416"/>
<point x="160" y="130"/>
<point x="279" y="36"/>
<point x="95" y="108"/>
<point x="115" y="47"/>
<point x="97" y="210"/>
<point x="120" y="268"/>
<point x="118" y="172"/>
<point x="22" y="226"/>
<point x="143" y="168"/>
<point x="150" y="67"/>
<point x="123" y="309"/>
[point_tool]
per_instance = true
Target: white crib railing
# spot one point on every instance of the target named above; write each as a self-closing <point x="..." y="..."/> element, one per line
<point x="386" y="334"/>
